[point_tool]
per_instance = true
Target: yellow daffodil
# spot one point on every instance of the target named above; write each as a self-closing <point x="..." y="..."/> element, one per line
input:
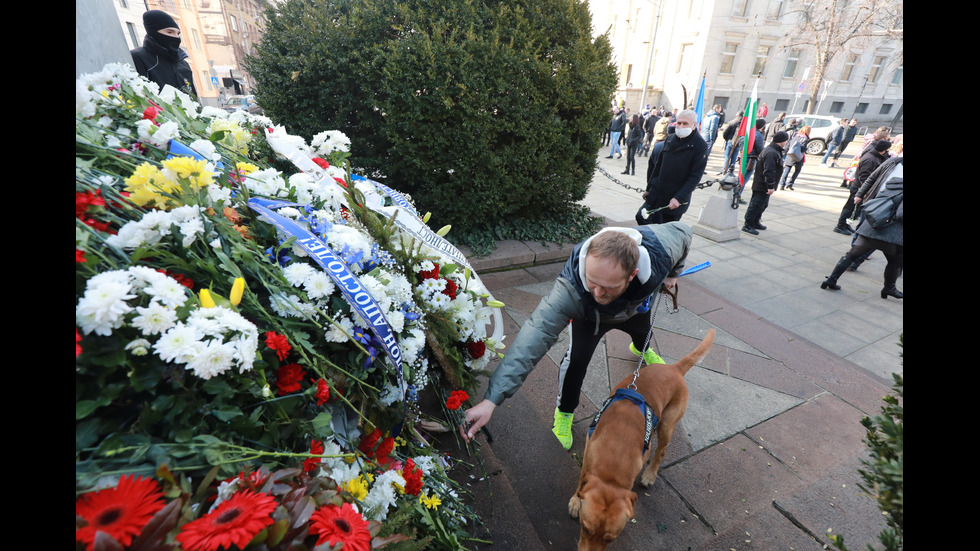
<point x="237" y="289"/>
<point x="206" y="300"/>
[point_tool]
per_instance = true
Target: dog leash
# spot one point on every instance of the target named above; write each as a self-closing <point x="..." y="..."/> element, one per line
<point x="653" y="316"/>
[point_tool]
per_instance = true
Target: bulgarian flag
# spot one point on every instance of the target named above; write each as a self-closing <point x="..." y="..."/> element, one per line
<point x="747" y="130"/>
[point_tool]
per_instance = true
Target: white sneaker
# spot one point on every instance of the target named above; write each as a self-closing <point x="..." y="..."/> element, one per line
<point x="823" y="165"/>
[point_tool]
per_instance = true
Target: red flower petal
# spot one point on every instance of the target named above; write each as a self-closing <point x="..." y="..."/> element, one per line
<point x="342" y="524"/>
<point x="120" y="512"/>
<point x="235" y="522"/>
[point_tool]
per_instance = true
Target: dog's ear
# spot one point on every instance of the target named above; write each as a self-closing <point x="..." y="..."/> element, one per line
<point x="632" y="502"/>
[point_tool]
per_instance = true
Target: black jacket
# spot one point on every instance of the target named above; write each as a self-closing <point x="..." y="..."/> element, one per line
<point x="768" y="169"/>
<point x="158" y="64"/>
<point x="677" y="170"/>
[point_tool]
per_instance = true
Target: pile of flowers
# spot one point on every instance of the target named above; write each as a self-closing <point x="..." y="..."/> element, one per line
<point x="231" y="390"/>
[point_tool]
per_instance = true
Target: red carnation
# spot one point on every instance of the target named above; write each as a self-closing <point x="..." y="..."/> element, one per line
<point x="311" y="463"/>
<point x="456" y="399"/>
<point x="288" y="378"/>
<point x="321" y="163"/>
<point x="476" y="349"/>
<point x="369" y="442"/>
<point x="279" y="343"/>
<point x="413" y="477"/>
<point x="79" y="256"/>
<point x="151" y="112"/>
<point x="322" y="392"/>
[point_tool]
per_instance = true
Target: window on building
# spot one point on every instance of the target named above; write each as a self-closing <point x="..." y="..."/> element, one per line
<point x="728" y="58"/>
<point x="876" y="68"/>
<point x="131" y="29"/>
<point x="775" y="10"/>
<point x="740" y="8"/>
<point x="196" y="39"/>
<point x="234" y="23"/>
<point x="886" y="108"/>
<point x="837" y="107"/>
<point x="861" y="108"/>
<point x="781" y="105"/>
<point x="628" y="71"/>
<point x="852" y="60"/>
<point x="761" y="57"/>
<point x="791" y="63"/>
<point x="685" y="58"/>
<point x="206" y="79"/>
<point x="897" y="77"/>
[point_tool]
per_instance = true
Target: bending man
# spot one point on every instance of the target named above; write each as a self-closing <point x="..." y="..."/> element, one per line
<point x="607" y="283"/>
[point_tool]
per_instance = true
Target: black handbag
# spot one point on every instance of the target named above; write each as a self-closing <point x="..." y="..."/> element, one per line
<point x="880" y="211"/>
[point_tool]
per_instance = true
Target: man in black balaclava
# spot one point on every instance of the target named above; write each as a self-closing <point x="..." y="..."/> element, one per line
<point x="160" y="59"/>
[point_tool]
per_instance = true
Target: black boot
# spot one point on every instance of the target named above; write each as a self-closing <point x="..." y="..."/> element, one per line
<point x="892" y="292"/>
<point x="831" y="281"/>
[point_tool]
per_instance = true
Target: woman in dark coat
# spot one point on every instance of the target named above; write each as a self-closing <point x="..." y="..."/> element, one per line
<point x="886" y="181"/>
<point x="634" y="141"/>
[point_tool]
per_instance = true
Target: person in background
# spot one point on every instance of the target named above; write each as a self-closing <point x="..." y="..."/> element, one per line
<point x="836" y="139"/>
<point x="795" y="157"/>
<point x="633" y="143"/>
<point x="160" y="58"/>
<point x="766" y="177"/>
<point x="849" y="134"/>
<point x="674" y="173"/>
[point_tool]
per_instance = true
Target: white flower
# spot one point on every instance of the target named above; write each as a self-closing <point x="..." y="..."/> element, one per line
<point x="297" y="273"/>
<point x="212" y="359"/>
<point x="382" y="495"/>
<point x="339" y="334"/>
<point x="319" y="285"/>
<point x="154" y="319"/>
<point x="103" y="308"/>
<point x="178" y="344"/>
<point x="206" y="149"/>
<point x="330" y="141"/>
<point x="138" y="347"/>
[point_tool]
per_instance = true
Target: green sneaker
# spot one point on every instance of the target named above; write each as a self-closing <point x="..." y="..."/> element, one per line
<point x="649" y="357"/>
<point x="563" y="428"/>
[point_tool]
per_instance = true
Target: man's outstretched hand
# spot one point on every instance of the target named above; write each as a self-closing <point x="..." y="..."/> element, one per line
<point x="476" y="417"/>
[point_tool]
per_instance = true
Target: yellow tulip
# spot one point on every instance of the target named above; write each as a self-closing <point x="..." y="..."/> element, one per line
<point x="237" y="289"/>
<point x="206" y="300"/>
<point x="444" y="230"/>
<point x="495" y="304"/>
<point x="425" y="219"/>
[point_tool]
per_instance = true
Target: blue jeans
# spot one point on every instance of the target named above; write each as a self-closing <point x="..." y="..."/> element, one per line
<point x="614" y="143"/>
<point x="830" y="151"/>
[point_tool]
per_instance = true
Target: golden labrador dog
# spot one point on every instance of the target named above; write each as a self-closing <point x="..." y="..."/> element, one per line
<point x="614" y="453"/>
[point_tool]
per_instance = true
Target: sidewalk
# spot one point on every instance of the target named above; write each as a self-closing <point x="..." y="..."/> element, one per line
<point x="767" y="455"/>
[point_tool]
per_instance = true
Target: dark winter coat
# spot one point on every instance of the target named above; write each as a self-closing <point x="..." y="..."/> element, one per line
<point x="884" y="181"/>
<point x="160" y="65"/>
<point x="768" y="169"/>
<point x="677" y="170"/>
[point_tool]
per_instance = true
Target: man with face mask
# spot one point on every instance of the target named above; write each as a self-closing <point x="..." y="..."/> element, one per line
<point x="674" y="172"/>
<point x="160" y="58"/>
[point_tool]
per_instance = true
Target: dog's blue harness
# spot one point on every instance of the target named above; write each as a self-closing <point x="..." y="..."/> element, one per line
<point x="636" y="398"/>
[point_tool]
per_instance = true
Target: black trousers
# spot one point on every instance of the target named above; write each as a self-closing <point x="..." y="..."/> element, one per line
<point x="757" y="205"/>
<point x="585" y="336"/>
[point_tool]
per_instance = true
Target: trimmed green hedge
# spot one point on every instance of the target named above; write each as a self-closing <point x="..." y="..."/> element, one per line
<point x="483" y="112"/>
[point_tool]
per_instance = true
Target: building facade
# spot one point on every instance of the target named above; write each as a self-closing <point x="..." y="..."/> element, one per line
<point x="663" y="48"/>
<point x="216" y="34"/>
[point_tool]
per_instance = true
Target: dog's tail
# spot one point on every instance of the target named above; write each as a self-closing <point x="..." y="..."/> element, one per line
<point x="698" y="354"/>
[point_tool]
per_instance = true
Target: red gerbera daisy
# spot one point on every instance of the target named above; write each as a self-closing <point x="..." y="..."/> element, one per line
<point x="120" y="512"/>
<point x="235" y="522"/>
<point x="342" y="524"/>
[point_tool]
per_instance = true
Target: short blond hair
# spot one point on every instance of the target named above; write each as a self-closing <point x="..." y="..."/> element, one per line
<point x="618" y="246"/>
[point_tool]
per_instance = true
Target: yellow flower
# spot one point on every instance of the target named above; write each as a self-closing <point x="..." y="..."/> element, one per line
<point x="358" y="488"/>
<point x="188" y="168"/>
<point x="245" y="168"/>
<point x="444" y="230"/>
<point x="431" y="502"/>
<point x="237" y="289"/>
<point x="148" y="185"/>
<point x="206" y="300"/>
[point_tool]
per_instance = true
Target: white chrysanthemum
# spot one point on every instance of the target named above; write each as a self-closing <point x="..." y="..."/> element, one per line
<point x="138" y="347"/>
<point x="340" y="236"/>
<point x="297" y="273"/>
<point x="291" y="306"/>
<point x="426" y="463"/>
<point x="382" y="495"/>
<point x="210" y="112"/>
<point x="214" y="358"/>
<point x="339" y="334"/>
<point x="178" y="344"/>
<point x="319" y="285"/>
<point x="154" y="319"/>
<point x="267" y="182"/>
<point x="103" y="307"/>
<point x="246" y="348"/>
<point x="330" y="141"/>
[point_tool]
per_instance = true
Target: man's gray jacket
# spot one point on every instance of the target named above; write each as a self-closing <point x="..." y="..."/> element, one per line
<point x="663" y="251"/>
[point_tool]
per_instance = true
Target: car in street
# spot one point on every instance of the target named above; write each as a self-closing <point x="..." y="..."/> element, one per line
<point x="246" y="102"/>
<point x="822" y="128"/>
